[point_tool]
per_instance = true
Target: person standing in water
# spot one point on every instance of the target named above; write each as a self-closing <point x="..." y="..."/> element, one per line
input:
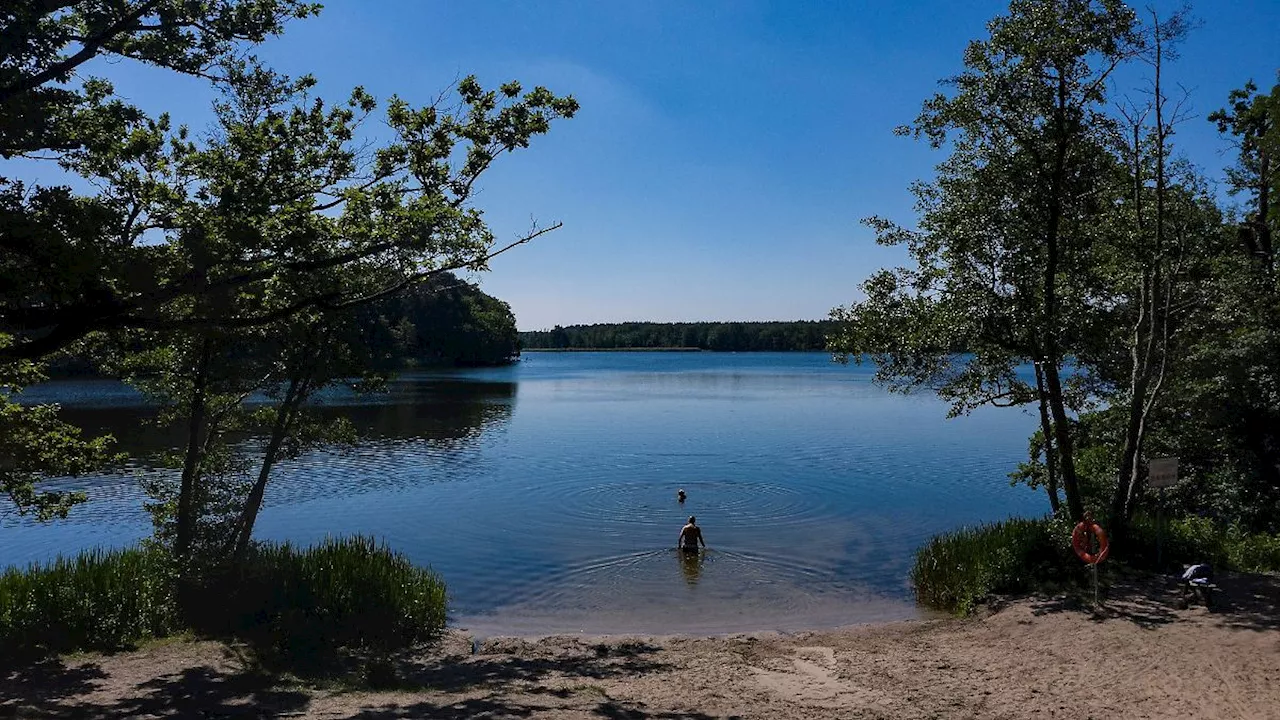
<point x="691" y="536"/>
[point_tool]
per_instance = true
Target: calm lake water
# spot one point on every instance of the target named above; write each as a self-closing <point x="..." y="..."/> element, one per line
<point x="545" y="492"/>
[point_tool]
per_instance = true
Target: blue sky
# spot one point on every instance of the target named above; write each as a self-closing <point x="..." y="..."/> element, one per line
<point x="725" y="151"/>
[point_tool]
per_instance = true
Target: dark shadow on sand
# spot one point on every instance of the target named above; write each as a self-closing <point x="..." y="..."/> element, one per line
<point x="194" y="692"/>
<point x="1242" y="602"/>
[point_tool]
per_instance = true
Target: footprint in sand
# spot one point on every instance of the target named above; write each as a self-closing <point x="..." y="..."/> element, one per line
<point x="812" y="680"/>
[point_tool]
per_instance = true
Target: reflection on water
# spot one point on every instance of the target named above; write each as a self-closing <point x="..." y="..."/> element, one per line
<point x="690" y="565"/>
<point x="559" y="513"/>
<point x="435" y="409"/>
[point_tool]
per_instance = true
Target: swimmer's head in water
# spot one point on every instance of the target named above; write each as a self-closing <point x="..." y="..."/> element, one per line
<point x="693" y="520"/>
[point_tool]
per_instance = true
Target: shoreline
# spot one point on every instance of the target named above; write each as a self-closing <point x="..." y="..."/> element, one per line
<point x="1053" y="657"/>
<point x="620" y="349"/>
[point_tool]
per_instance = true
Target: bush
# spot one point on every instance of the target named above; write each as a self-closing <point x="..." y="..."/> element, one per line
<point x="298" y="606"/>
<point x="1194" y="539"/>
<point x="957" y="570"/>
<point x="302" y="606"/>
<point x="98" y="600"/>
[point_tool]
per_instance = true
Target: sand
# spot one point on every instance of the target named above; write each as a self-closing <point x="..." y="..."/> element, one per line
<point x="1139" y="657"/>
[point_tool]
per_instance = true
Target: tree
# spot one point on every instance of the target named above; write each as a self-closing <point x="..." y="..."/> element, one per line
<point x="285" y="190"/>
<point x="283" y="211"/>
<point x="70" y="264"/>
<point x="1253" y="120"/>
<point x="1154" y="273"/>
<point x="1003" y="264"/>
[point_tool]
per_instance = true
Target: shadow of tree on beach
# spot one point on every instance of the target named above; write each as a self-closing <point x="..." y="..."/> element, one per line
<point x="513" y="685"/>
<point x="508" y="708"/>
<point x="1243" y="601"/>
<point x="45" y="682"/>
<point x="1248" y="602"/>
<point x="453" y="674"/>
<point x="193" y="692"/>
<point x="616" y="711"/>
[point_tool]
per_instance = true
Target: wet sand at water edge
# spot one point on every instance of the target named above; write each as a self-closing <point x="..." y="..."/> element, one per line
<point x="1139" y="657"/>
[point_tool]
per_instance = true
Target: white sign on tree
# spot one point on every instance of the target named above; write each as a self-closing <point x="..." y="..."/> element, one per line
<point x="1162" y="472"/>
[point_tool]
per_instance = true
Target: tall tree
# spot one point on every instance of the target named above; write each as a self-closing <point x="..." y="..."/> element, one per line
<point x="299" y="193"/>
<point x="1154" y="268"/>
<point x="1003" y="249"/>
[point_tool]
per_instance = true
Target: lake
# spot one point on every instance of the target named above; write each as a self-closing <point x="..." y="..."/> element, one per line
<point x="545" y="492"/>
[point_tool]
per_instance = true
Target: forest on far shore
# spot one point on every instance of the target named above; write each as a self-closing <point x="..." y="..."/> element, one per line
<point x="723" y="336"/>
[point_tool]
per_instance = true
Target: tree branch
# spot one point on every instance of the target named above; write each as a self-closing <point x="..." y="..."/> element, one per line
<point x="89" y="49"/>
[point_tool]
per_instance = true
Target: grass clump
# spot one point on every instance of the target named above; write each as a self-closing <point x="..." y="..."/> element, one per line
<point x="302" y="607"/>
<point x="98" y="600"/>
<point x="956" y="571"/>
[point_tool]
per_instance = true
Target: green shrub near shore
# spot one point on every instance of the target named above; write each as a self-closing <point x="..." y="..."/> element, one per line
<point x="287" y="603"/>
<point x="956" y="571"/>
<point x="301" y="606"/>
<point x="1194" y="539"/>
<point x="100" y="599"/>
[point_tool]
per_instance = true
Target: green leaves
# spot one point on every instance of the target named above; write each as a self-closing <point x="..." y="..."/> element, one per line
<point x="36" y="445"/>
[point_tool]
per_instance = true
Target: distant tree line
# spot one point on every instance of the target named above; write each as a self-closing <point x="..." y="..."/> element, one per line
<point x="722" y="336"/>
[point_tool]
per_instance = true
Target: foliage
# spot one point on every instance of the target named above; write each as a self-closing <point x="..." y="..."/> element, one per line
<point x="301" y="606"/>
<point x="271" y="212"/>
<point x="35" y="445"/>
<point x="444" y="321"/>
<point x="1064" y="257"/>
<point x="958" y="570"/>
<point x="98" y="600"/>
<point x="1003" y="255"/>
<point x="1193" y="539"/>
<point x="229" y="262"/>
<point x="77" y="254"/>
<point x="729" y="337"/>
<point x="292" y="605"/>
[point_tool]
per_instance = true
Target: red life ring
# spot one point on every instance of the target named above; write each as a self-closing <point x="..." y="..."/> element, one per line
<point x="1080" y="541"/>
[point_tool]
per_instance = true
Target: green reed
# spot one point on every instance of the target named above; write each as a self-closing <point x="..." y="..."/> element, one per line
<point x="100" y="599"/>
<point x="294" y="603"/>
<point x="957" y="570"/>
<point x="348" y="593"/>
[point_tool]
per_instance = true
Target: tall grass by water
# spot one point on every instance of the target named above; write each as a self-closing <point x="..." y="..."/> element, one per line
<point x="101" y="599"/>
<point x="287" y="603"/>
<point x="303" y="605"/>
<point x="957" y="571"/>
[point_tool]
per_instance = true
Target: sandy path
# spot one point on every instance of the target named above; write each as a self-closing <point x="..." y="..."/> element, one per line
<point x="1141" y="658"/>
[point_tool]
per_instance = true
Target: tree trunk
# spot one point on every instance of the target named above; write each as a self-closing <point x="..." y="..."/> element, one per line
<point x="1264" y="209"/>
<point x="285" y="415"/>
<point x="1052" y="357"/>
<point x="186" y="521"/>
<point x="1046" y="429"/>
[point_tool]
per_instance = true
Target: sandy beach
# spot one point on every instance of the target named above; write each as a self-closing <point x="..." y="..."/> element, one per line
<point x="1139" y="657"/>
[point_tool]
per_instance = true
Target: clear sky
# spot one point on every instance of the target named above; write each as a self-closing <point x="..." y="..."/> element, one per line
<point x="725" y="151"/>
